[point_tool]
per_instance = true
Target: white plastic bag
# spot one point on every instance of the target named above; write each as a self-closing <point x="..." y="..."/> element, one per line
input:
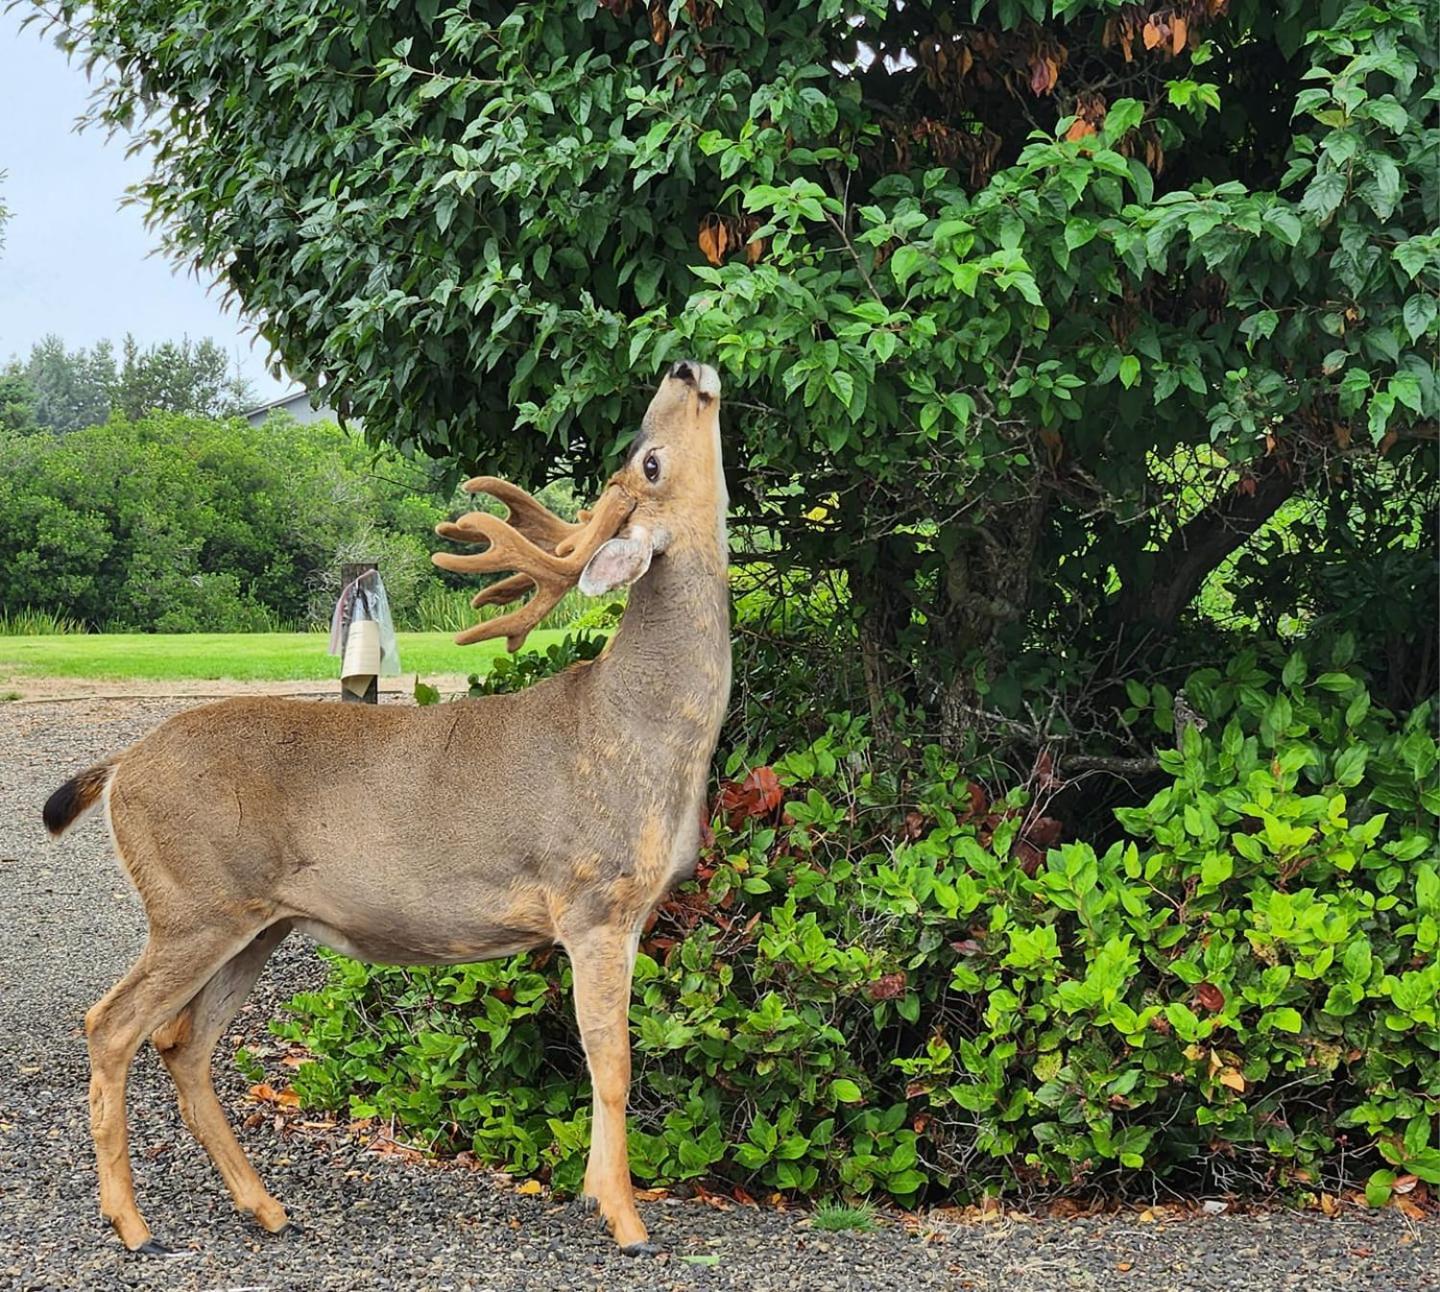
<point x="363" y="634"/>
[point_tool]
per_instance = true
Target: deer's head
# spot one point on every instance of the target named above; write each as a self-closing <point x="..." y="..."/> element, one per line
<point x="669" y="496"/>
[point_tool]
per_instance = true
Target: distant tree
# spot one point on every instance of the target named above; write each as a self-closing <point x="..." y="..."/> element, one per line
<point x="70" y="388"/>
<point x="17" y="400"/>
<point x="185" y="377"/>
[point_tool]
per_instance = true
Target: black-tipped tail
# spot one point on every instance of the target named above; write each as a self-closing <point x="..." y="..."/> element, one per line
<point x="76" y="797"/>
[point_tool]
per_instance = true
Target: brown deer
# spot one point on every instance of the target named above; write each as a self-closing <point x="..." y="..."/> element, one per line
<point x="466" y="831"/>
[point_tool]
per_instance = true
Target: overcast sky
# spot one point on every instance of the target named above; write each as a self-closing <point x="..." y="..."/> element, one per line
<point x="74" y="261"/>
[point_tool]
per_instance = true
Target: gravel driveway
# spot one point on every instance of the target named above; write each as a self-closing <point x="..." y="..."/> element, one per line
<point x="69" y="927"/>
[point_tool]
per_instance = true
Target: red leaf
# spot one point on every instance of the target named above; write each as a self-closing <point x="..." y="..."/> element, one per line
<point x="1210" y="996"/>
<point x="1043" y="832"/>
<point x="764" y="787"/>
<point x="757" y="795"/>
<point x="1028" y="856"/>
<point x="967" y="947"/>
<point x="889" y="986"/>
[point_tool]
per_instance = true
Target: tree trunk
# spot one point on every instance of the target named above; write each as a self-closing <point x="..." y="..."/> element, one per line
<point x="986" y="590"/>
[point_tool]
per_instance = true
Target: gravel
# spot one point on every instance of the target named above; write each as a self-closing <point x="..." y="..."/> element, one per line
<point x="69" y="927"/>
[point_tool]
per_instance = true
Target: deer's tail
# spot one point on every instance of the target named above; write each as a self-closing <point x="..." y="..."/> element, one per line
<point x="76" y="797"/>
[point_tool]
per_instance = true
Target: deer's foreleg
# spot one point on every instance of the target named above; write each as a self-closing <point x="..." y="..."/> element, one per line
<point x="602" y="960"/>
<point x="186" y="1044"/>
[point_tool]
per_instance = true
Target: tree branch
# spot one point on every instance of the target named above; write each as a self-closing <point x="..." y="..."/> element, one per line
<point x="1203" y="542"/>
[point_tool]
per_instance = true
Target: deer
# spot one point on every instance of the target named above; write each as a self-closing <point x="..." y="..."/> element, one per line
<point x="559" y="815"/>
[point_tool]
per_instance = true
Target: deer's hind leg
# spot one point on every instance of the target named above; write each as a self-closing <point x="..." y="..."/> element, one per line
<point x="171" y="969"/>
<point x="186" y="1044"/>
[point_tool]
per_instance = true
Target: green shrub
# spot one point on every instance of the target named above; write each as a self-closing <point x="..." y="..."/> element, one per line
<point x="26" y="622"/>
<point x="515" y="672"/>
<point x="919" y="989"/>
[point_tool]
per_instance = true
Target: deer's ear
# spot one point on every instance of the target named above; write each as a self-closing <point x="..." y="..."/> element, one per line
<point x="620" y="561"/>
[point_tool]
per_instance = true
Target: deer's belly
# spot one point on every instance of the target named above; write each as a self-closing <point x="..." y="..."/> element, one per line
<point x="434" y="946"/>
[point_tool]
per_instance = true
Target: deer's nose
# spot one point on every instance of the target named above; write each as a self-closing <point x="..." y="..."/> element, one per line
<point x="699" y="375"/>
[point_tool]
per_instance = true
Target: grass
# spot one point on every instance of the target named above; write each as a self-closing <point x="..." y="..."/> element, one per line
<point x="243" y="657"/>
<point x="28" y="623"/>
<point x="835" y="1216"/>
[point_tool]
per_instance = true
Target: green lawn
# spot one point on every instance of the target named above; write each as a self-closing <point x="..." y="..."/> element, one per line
<point x="245" y="657"/>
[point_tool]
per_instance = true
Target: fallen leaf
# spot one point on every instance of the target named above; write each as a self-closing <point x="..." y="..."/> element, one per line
<point x="1214" y="1207"/>
<point x="530" y="1188"/>
<point x="1329" y="1204"/>
<point x="1404" y="1184"/>
<point x="1125" y="1266"/>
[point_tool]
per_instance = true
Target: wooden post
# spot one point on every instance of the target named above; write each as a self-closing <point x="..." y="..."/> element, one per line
<point x="349" y="572"/>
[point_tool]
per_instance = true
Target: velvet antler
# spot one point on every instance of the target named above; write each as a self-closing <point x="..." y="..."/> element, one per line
<point x="544" y="551"/>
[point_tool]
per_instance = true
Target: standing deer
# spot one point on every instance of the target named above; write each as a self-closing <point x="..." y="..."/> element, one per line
<point x="445" y="835"/>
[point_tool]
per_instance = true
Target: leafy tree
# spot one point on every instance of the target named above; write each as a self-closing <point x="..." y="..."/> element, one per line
<point x="185" y="377"/>
<point x="73" y="389"/>
<point x="70" y="388"/>
<point x="175" y="523"/>
<point x="17" y="400"/>
<point x="1032" y="312"/>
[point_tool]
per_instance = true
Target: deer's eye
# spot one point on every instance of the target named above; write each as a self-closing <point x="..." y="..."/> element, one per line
<point x="652" y="467"/>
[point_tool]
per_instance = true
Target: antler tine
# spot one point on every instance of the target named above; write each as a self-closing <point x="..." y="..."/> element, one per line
<point x="527" y="514"/>
<point x="542" y="549"/>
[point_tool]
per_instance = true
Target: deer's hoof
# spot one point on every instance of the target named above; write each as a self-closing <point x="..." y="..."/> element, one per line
<point x="291" y="1229"/>
<point x="641" y="1249"/>
<point x="154" y="1247"/>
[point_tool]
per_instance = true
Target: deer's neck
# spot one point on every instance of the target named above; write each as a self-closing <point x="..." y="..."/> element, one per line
<point x="670" y="658"/>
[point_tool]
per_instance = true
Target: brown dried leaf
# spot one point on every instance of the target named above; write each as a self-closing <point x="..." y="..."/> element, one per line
<point x="1178" y="32"/>
<point x="1232" y="1077"/>
<point x="711" y="233"/>
<point x="1079" y="129"/>
<point x="1151" y="35"/>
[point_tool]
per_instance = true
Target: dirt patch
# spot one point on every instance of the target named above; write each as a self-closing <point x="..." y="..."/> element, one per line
<point x="27" y="689"/>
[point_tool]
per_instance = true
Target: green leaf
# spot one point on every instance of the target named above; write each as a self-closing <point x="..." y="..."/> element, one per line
<point x="1377" y="1188"/>
<point x="1284" y="223"/>
<point x="1350" y="765"/>
<point x="1129" y="370"/>
<point x="845" y="1090"/>
<point x="1419" y="314"/>
<point x="1284" y="1018"/>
